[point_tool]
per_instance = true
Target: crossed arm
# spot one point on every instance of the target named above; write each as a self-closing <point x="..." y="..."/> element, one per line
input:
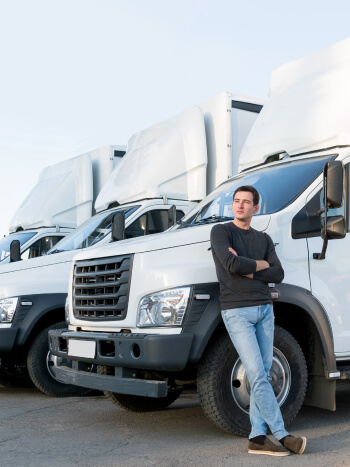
<point x="260" y="264"/>
<point x="268" y="270"/>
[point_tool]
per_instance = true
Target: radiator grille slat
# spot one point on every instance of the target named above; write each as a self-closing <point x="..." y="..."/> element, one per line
<point x="101" y="288"/>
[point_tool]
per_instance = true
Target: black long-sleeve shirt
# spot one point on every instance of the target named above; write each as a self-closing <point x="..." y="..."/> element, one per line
<point x="237" y="291"/>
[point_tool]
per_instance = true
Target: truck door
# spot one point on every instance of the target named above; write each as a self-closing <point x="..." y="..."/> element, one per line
<point x="330" y="278"/>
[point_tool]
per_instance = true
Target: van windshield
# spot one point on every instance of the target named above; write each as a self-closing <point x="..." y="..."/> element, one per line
<point x="91" y="232"/>
<point x="5" y="242"/>
<point x="278" y="186"/>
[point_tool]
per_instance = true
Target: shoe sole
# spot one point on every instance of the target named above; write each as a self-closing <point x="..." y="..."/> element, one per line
<point x="303" y="446"/>
<point x="270" y="453"/>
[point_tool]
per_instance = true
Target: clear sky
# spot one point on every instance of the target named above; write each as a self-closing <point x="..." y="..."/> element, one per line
<point x="79" y="74"/>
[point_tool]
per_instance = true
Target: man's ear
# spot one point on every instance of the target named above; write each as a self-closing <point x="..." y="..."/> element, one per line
<point x="256" y="209"/>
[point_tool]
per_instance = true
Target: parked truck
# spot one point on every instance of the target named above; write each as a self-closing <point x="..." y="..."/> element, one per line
<point x="62" y="199"/>
<point x="162" y="177"/>
<point x="169" y="334"/>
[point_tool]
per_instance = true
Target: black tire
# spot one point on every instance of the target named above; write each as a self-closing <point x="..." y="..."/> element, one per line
<point x="41" y="373"/>
<point x="15" y="378"/>
<point x="140" y="403"/>
<point x="224" y="389"/>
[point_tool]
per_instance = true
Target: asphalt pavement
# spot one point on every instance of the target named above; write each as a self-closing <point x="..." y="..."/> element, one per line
<point x="41" y="431"/>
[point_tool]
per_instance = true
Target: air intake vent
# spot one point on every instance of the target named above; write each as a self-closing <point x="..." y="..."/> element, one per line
<point x="101" y="288"/>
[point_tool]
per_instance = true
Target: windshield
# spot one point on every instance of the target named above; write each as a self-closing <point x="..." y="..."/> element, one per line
<point x="5" y="242"/>
<point x="91" y="232"/>
<point x="278" y="186"/>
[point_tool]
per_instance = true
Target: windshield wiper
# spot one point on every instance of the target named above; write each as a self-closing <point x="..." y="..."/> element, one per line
<point x="55" y="251"/>
<point x="214" y="218"/>
<point x="184" y="224"/>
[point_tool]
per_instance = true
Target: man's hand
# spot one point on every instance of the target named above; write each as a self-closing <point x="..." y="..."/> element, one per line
<point x="233" y="251"/>
<point x="261" y="264"/>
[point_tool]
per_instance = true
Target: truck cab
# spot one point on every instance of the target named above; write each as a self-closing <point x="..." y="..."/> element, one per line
<point x="62" y="199"/>
<point x="169" y="334"/>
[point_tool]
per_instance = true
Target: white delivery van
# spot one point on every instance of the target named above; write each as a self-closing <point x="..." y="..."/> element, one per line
<point x="169" y="332"/>
<point x="162" y="177"/>
<point x="62" y="199"/>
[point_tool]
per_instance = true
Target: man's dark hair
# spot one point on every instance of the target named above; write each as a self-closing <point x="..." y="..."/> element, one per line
<point x="252" y="190"/>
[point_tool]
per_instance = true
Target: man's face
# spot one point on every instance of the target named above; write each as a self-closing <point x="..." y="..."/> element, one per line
<point x="243" y="207"/>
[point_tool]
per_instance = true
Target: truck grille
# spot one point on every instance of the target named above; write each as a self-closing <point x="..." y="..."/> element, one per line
<point x="101" y="288"/>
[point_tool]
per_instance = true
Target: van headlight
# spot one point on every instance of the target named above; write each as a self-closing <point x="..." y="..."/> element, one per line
<point x="7" y="309"/>
<point x="166" y="308"/>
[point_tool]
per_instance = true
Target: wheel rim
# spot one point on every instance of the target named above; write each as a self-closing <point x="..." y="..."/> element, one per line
<point x="280" y="380"/>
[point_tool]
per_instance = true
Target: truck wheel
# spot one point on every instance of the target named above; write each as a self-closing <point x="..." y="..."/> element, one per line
<point x="224" y="388"/>
<point x="140" y="403"/>
<point x="15" y="378"/>
<point x="42" y="373"/>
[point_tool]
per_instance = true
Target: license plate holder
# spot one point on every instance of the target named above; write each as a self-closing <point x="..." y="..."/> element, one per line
<point x="81" y="348"/>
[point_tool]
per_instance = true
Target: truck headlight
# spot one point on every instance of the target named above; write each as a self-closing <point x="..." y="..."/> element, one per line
<point x="166" y="308"/>
<point x="66" y="311"/>
<point x="7" y="309"/>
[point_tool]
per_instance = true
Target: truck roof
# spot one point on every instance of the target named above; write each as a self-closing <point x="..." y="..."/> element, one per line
<point x="307" y="108"/>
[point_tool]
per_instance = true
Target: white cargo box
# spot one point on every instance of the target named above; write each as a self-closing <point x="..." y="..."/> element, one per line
<point x="168" y="159"/>
<point x="63" y="196"/>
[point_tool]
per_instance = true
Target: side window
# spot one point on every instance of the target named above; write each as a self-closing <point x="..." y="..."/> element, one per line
<point x="157" y="221"/>
<point x="41" y="247"/>
<point x="179" y="215"/>
<point x="150" y="223"/>
<point x="137" y="228"/>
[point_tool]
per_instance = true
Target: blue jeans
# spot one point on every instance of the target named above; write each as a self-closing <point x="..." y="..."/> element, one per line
<point x="251" y="330"/>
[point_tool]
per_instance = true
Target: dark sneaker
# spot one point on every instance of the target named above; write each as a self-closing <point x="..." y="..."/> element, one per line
<point x="295" y="444"/>
<point x="268" y="448"/>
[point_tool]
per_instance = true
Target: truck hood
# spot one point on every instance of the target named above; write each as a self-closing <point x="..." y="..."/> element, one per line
<point x="307" y="108"/>
<point x="160" y="241"/>
<point x="63" y="196"/>
<point x="40" y="262"/>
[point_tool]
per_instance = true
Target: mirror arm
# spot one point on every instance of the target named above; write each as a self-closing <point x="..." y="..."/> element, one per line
<point x="322" y="255"/>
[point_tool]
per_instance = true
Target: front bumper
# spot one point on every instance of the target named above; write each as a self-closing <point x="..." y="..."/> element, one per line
<point x="126" y="353"/>
<point x="7" y="339"/>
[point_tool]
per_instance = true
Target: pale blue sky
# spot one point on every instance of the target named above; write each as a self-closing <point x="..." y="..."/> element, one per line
<point x="79" y="74"/>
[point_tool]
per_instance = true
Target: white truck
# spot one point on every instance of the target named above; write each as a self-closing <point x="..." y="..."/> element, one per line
<point x="162" y="176"/>
<point x="169" y="333"/>
<point x="62" y="199"/>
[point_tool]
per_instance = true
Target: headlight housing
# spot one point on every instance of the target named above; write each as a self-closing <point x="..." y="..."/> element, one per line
<point x="166" y="308"/>
<point x="66" y="311"/>
<point x="7" y="309"/>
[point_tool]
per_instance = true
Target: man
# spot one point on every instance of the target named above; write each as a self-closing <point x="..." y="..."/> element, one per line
<point x="246" y="262"/>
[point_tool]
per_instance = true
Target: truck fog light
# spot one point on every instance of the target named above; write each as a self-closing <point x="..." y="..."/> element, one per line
<point x="7" y="309"/>
<point x="166" y="308"/>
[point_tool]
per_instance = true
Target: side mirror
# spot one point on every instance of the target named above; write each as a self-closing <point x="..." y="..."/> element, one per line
<point x="335" y="228"/>
<point x="333" y="174"/>
<point x="15" y="251"/>
<point x="172" y="216"/>
<point x="118" y="227"/>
